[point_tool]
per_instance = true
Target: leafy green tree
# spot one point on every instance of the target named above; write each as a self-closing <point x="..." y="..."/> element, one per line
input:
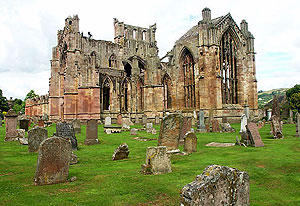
<point x="3" y="103"/>
<point x="293" y="96"/>
<point x="17" y="106"/>
<point x="29" y="95"/>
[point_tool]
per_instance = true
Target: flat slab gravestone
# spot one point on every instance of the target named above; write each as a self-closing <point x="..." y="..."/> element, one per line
<point x="170" y="129"/>
<point x="157" y="161"/>
<point x="35" y="137"/>
<point x="77" y="126"/>
<point x="190" y="142"/>
<point x="91" y="132"/>
<point x="66" y="130"/>
<point x="53" y="161"/>
<point x="121" y="152"/>
<point x="11" y="125"/>
<point x="218" y="144"/>
<point x="215" y="125"/>
<point x="217" y="186"/>
<point x="254" y="135"/>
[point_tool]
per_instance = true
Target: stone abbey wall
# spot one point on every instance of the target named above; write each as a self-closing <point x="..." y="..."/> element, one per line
<point x="211" y="67"/>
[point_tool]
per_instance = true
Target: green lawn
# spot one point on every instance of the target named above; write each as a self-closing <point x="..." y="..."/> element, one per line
<point x="274" y="171"/>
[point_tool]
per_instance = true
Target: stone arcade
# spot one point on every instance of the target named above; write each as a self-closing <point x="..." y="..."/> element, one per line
<point x="211" y="67"/>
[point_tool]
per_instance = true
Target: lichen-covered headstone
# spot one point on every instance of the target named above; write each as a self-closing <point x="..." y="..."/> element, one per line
<point x="53" y="161"/>
<point x="170" y="129"/>
<point x="35" y="137"/>
<point x="91" y="132"/>
<point x="186" y="126"/>
<point x="157" y="161"/>
<point x="77" y="126"/>
<point x="217" y="186"/>
<point x="121" y="152"/>
<point x="276" y="127"/>
<point x="11" y="125"/>
<point x="66" y="130"/>
<point x="190" y="142"/>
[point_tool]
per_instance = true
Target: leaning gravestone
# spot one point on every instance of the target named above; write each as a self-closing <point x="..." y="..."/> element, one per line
<point x="35" y="137"/>
<point x="276" y="127"/>
<point x="121" y="152"/>
<point x="53" y="161"/>
<point x="186" y="126"/>
<point x="77" y="126"/>
<point x="91" y="132"/>
<point x="107" y="121"/>
<point x="170" y="129"/>
<point x="66" y="130"/>
<point x="190" y="142"/>
<point x="217" y="186"/>
<point x="157" y="161"/>
<point x="215" y="125"/>
<point x="11" y="125"/>
<point x="253" y="134"/>
<point x="24" y="123"/>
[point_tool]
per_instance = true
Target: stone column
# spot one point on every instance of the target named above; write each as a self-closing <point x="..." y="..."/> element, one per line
<point x="11" y="125"/>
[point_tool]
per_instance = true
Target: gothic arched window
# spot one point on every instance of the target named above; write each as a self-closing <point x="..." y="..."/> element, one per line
<point x="112" y="62"/>
<point x="187" y="65"/>
<point x="167" y="91"/>
<point x="106" y="95"/>
<point x="228" y="69"/>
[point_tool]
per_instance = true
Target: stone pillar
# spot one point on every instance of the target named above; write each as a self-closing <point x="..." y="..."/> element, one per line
<point x="11" y="125"/>
<point x="201" y="124"/>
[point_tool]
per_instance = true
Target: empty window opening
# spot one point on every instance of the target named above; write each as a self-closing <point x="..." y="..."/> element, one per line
<point x="187" y="64"/>
<point x="106" y="96"/>
<point x="127" y="69"/>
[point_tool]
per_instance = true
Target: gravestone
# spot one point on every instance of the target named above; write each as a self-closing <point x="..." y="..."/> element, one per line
<point x="275" y="107"/>
<point x="215" y="125"/>
<point x="45" y="117"/>
<point x="91" y="132"/>
<point x="11" y="125"/>
<point x="269" y="114"/>
<point x="137" y="119"/>
<point x="297" y="125"/>
<point x="243" y="123"/>
<point x="119" y="119"/>
<point x="153" y="131"/>
<point x="217" y="186"/>
<point x="190" y="142"/>
<point x="201" y="125"/>
<point x="74" y="159"/>
<point x="149" y="127"/>
<point x="133" y="131"/>
<point x="66" y="130"/>
<point x="35" y="137"/>
<point x="127" y="121"/>
<point x="144" y="119"/>
<point x="157" y="121"/>
<point x="24" y="123"/>
<point x="186" y="126"/>
<point x="121" y="152"/>
<point x="226" y="127"/>
<point x="207" y="127"/>
<point x="21" y="133"/>
<point x="253" y="134"/>
<point x="291" y="116"/>
<point x="107" y="121"/>
<point x="157" y="161"/>
<point x="276" y="128"/>
<point x="246" y="110"/>
<point x="170" y="128"/>
<point x="41" y="123"/>
<point x="53" y="161"/>
<point x="77" y="126"/>
<point x="260" y="124"/>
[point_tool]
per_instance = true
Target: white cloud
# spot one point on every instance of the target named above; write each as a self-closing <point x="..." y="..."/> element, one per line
<point x="29" y="27"/>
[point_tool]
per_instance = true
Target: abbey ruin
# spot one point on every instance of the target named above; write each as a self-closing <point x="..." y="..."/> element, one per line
<point x="211" y="67"/>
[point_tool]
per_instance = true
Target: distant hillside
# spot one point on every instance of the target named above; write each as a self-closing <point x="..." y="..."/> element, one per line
<point x="266" y="96"/>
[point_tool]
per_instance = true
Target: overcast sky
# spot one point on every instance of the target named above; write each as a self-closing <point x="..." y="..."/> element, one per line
<point x="28" y="31"/>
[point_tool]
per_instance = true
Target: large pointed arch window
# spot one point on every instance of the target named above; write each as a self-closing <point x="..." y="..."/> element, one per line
<point x="106" y="94"/>
<point x="187" y="65"/>
<point x="228" y="69"/>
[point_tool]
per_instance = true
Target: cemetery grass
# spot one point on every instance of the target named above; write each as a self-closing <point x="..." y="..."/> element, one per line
<point x="274" y="171"/>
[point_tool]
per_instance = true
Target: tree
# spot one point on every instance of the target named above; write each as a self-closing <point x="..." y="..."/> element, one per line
<point x="31" y="94"/>
<point x="293" y="96"/>
<point x="3" y="102"/>
<point x="17" y="105"/>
